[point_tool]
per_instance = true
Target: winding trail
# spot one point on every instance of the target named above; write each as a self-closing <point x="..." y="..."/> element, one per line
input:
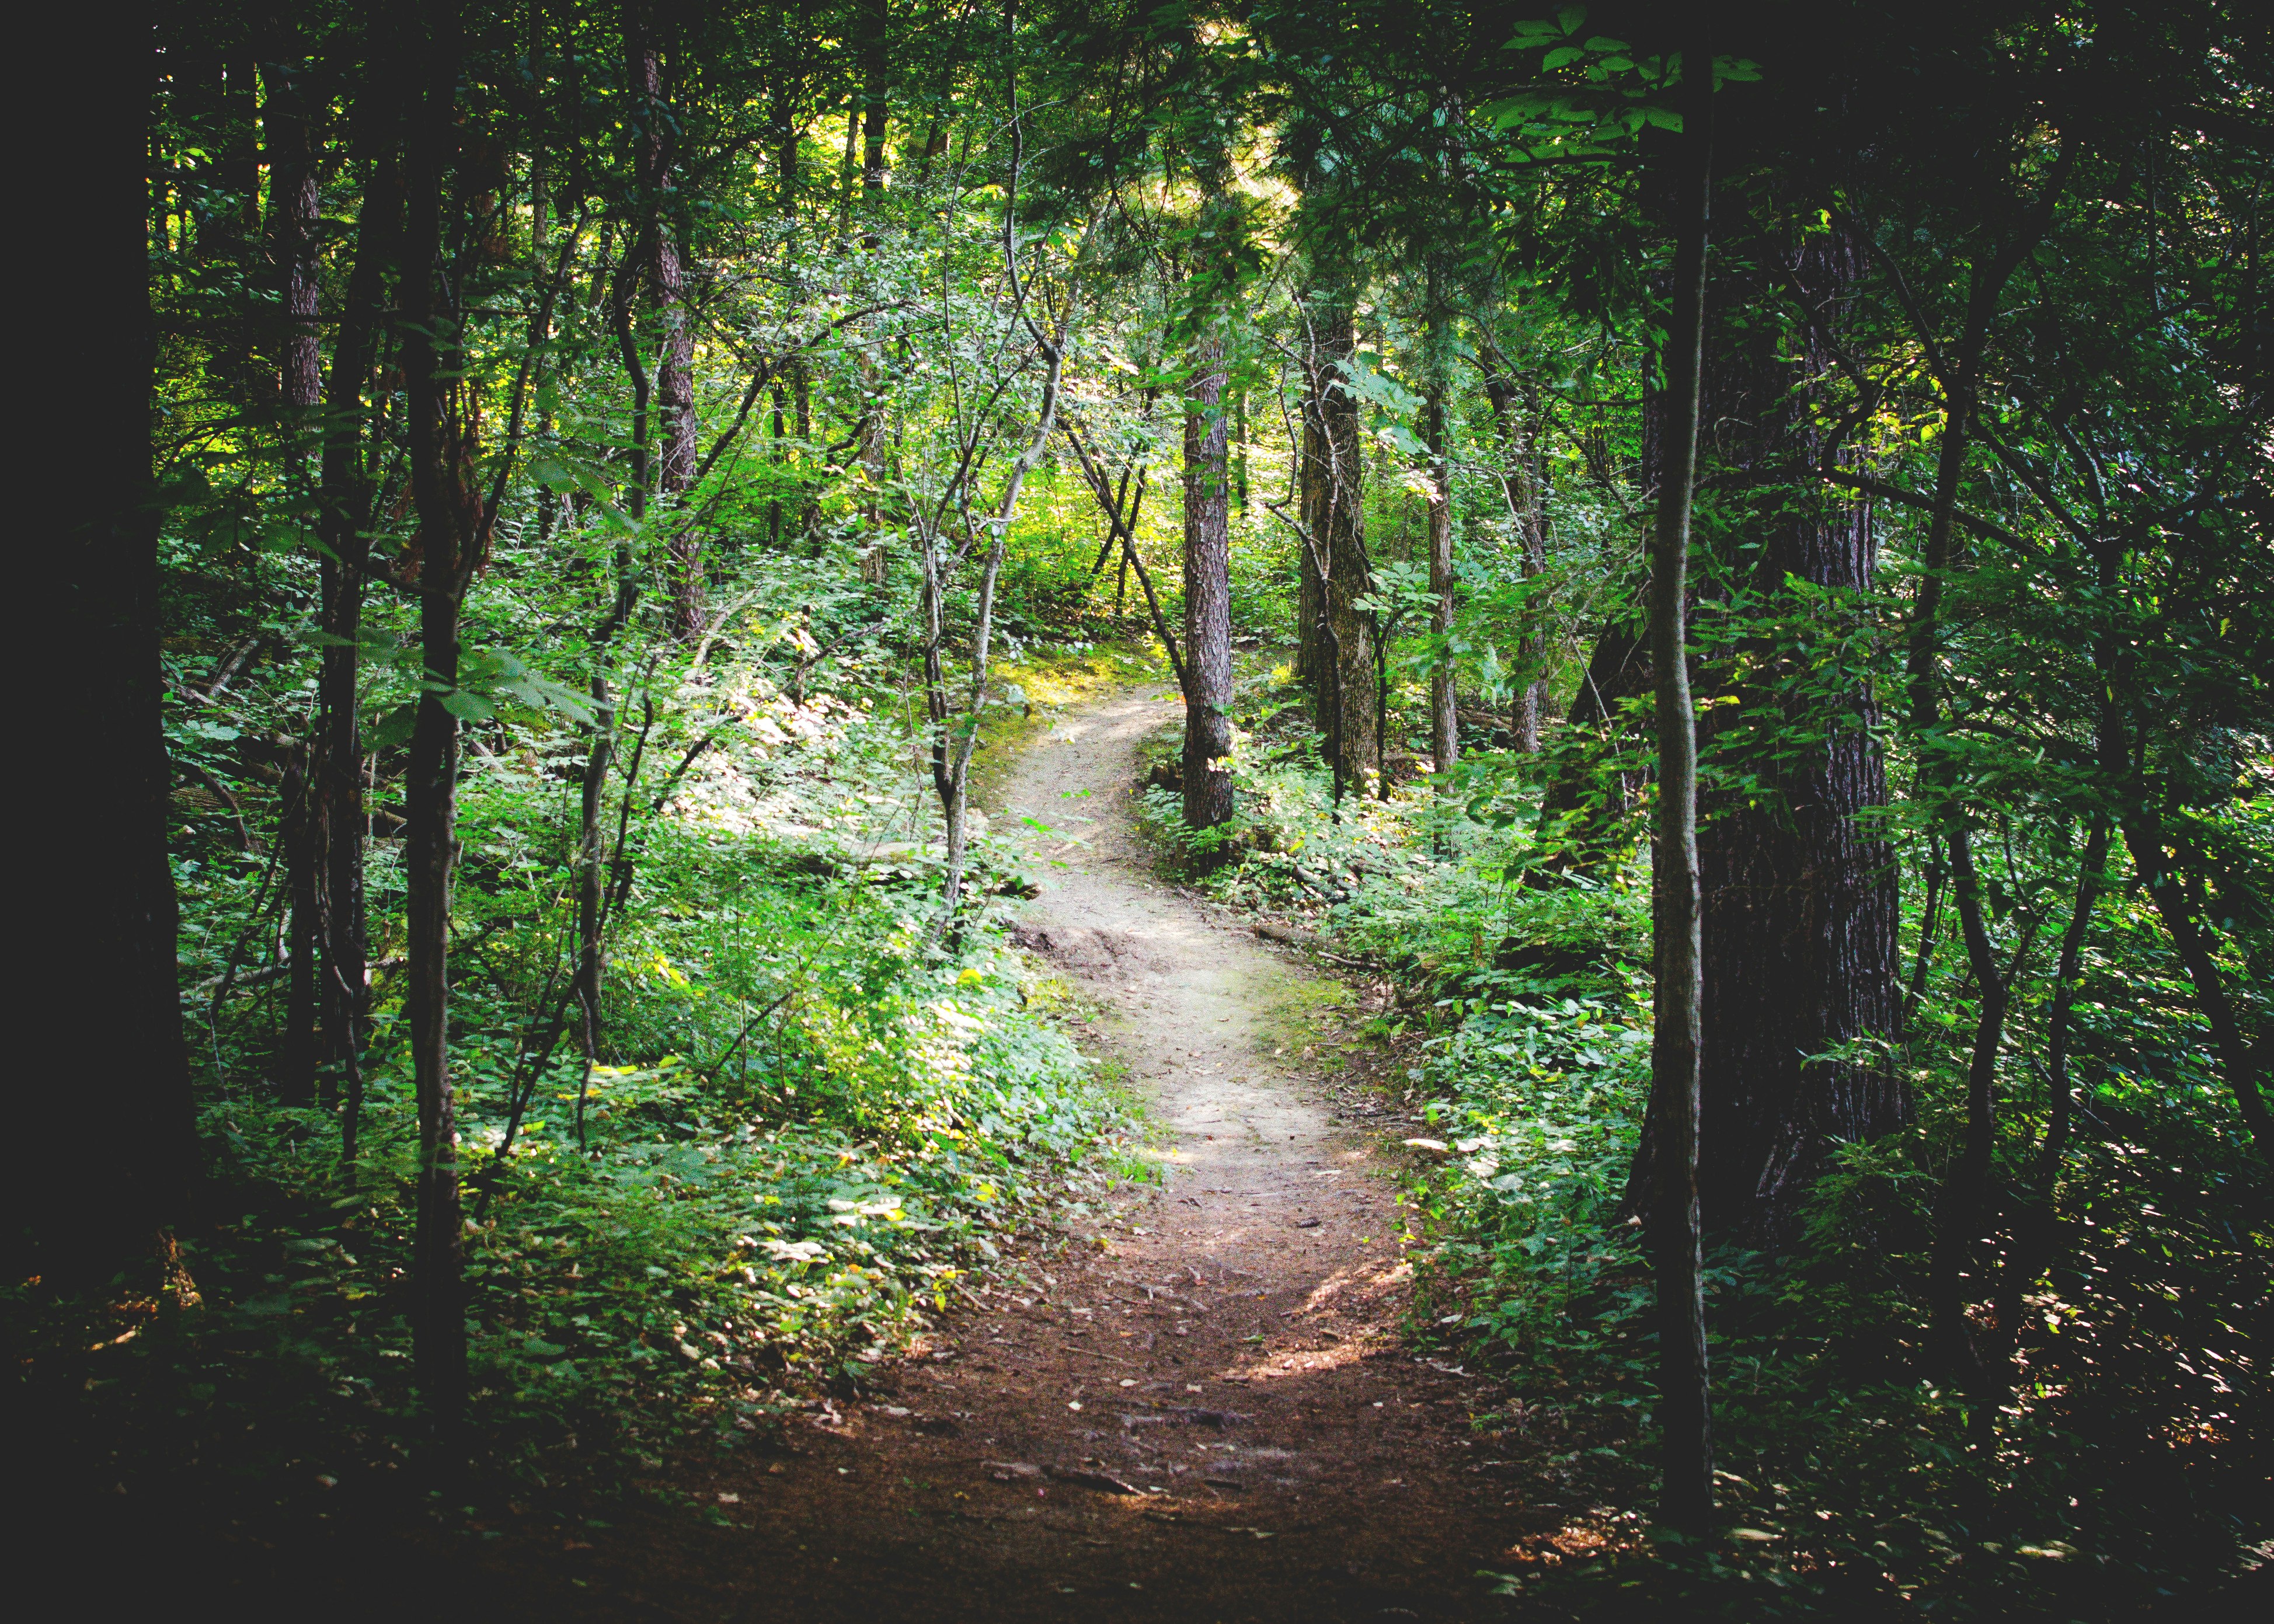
<point x="1199" y="1409"/>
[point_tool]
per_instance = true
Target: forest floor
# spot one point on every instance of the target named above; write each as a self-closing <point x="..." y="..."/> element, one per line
<point x="1199" y="1409"/>
<point x="1197" y="1403"/>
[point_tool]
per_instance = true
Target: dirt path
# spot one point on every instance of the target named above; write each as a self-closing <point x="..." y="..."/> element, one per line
<point x="1198" y="1409"/>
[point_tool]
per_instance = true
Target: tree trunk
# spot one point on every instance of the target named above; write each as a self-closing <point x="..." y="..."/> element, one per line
<point x="1343" y="674"/>
<point x="292" y="268"/>
<point x="1313" y="484"/>
<point x="296" y="1055"/>
<point x="1799" y="895"/>
<point x="1517" y="410"/>
<point x="1686" y="1496"/>
<point x="345" y="517"/>
<point x="876" y="111"/>
<point x="2238" y="1059"/>
<point x="85" y="1204"/>
<point x="440" y="450"/>
<point x="1207" y="596"/>
<point x="1444" y="712"/>
<point x="662" y="274"/>
<point x="291" y="141"/>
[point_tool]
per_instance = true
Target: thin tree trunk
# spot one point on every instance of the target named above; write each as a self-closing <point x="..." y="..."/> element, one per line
<point x="441" y="449"/>
<point x="662" y="274"/>
<point x="1239" y="457"/>
<point x="2034" y="1228"/>
<point x="344" y="518"/>
<point x="1444" y="712"/>
<point x="1584" y="806"/>
<point x="308" y="832"/>
<point x="1966" y="1209"/>
<point x="1207" y="597"/>
<point x="2240" y="1060"/>
<point x="876" y="113"/>
<point x="591" y="874"/>
<point x="1686" y="1496"/>
<point x="295" y="1057"/>
<point x="1524" y="485"/>
<point x="952" y="756"/>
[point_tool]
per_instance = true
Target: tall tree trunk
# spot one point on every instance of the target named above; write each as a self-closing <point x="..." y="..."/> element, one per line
<point x="1964" y="1201"/>
<point x="951" y="754"/>
<point x="307" y="833"/>
<point x="1343" y="674"/>
<point x="441" y="451"/>
<point x="1686" y="1495"/>
<point x="1314" y="484"/>
<point x="592" y="855"/>
<point x="1799" y="894"/>
<point x="343" y="519"/>
<point x="235" y="233"/>
<point x="951" y="749"/>
<point x="94" y="575"/>
<point x="288" y="123"/>
<point x="1240" y="457"/>
<point x="540" y="266"/>
<point x="1444" y="713"/>
<point x="1516" y="412"/>
<point x="662" y="274"/>
<point x="296" y="1056"/>
<point x="875" y="85"/>
<point x="1207" y="596"/>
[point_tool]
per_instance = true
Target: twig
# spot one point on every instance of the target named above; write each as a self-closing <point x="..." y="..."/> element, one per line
<point x="711" y="1075"/>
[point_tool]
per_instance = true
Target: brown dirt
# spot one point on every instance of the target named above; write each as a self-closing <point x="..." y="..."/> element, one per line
<point x="1196" y="1407"/>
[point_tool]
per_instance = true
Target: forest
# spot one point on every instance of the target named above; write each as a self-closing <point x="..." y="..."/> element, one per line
<point x="1159" y="809"/>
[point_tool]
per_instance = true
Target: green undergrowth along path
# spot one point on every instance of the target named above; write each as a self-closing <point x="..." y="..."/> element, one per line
<point x="1852" y="1476"/>
<point x="810" y="1116"/>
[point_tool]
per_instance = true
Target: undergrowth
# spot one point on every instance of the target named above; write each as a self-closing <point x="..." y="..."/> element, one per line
<point x="813" y="1112"/>
<point x="1851" y="1481"/>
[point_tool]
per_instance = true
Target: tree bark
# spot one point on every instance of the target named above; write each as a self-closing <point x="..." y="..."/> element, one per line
<point x="1515" y="410"/>
<point x="1799" y="896"/>
<point x="85" y="1206"/>
<point x="662" y="275"/>
<point x="1207" y="596"/>
<point x="1686" y="1494"/>
<point x="1444" y="712"/>
<point x="876" y="85"/>
<point x="291" y="152"/>
<point x="449" y="522"/>
<point x="296" y="1056"/>
<point x="1341" y="666"/>
<point x="1314" y="484"/>
<point x="288" y="122"/>
<point x="343" y="519"/>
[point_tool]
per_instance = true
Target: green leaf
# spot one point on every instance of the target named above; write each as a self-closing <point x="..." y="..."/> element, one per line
<point x="393" y="728"/>
<point x="469" y="706"/>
